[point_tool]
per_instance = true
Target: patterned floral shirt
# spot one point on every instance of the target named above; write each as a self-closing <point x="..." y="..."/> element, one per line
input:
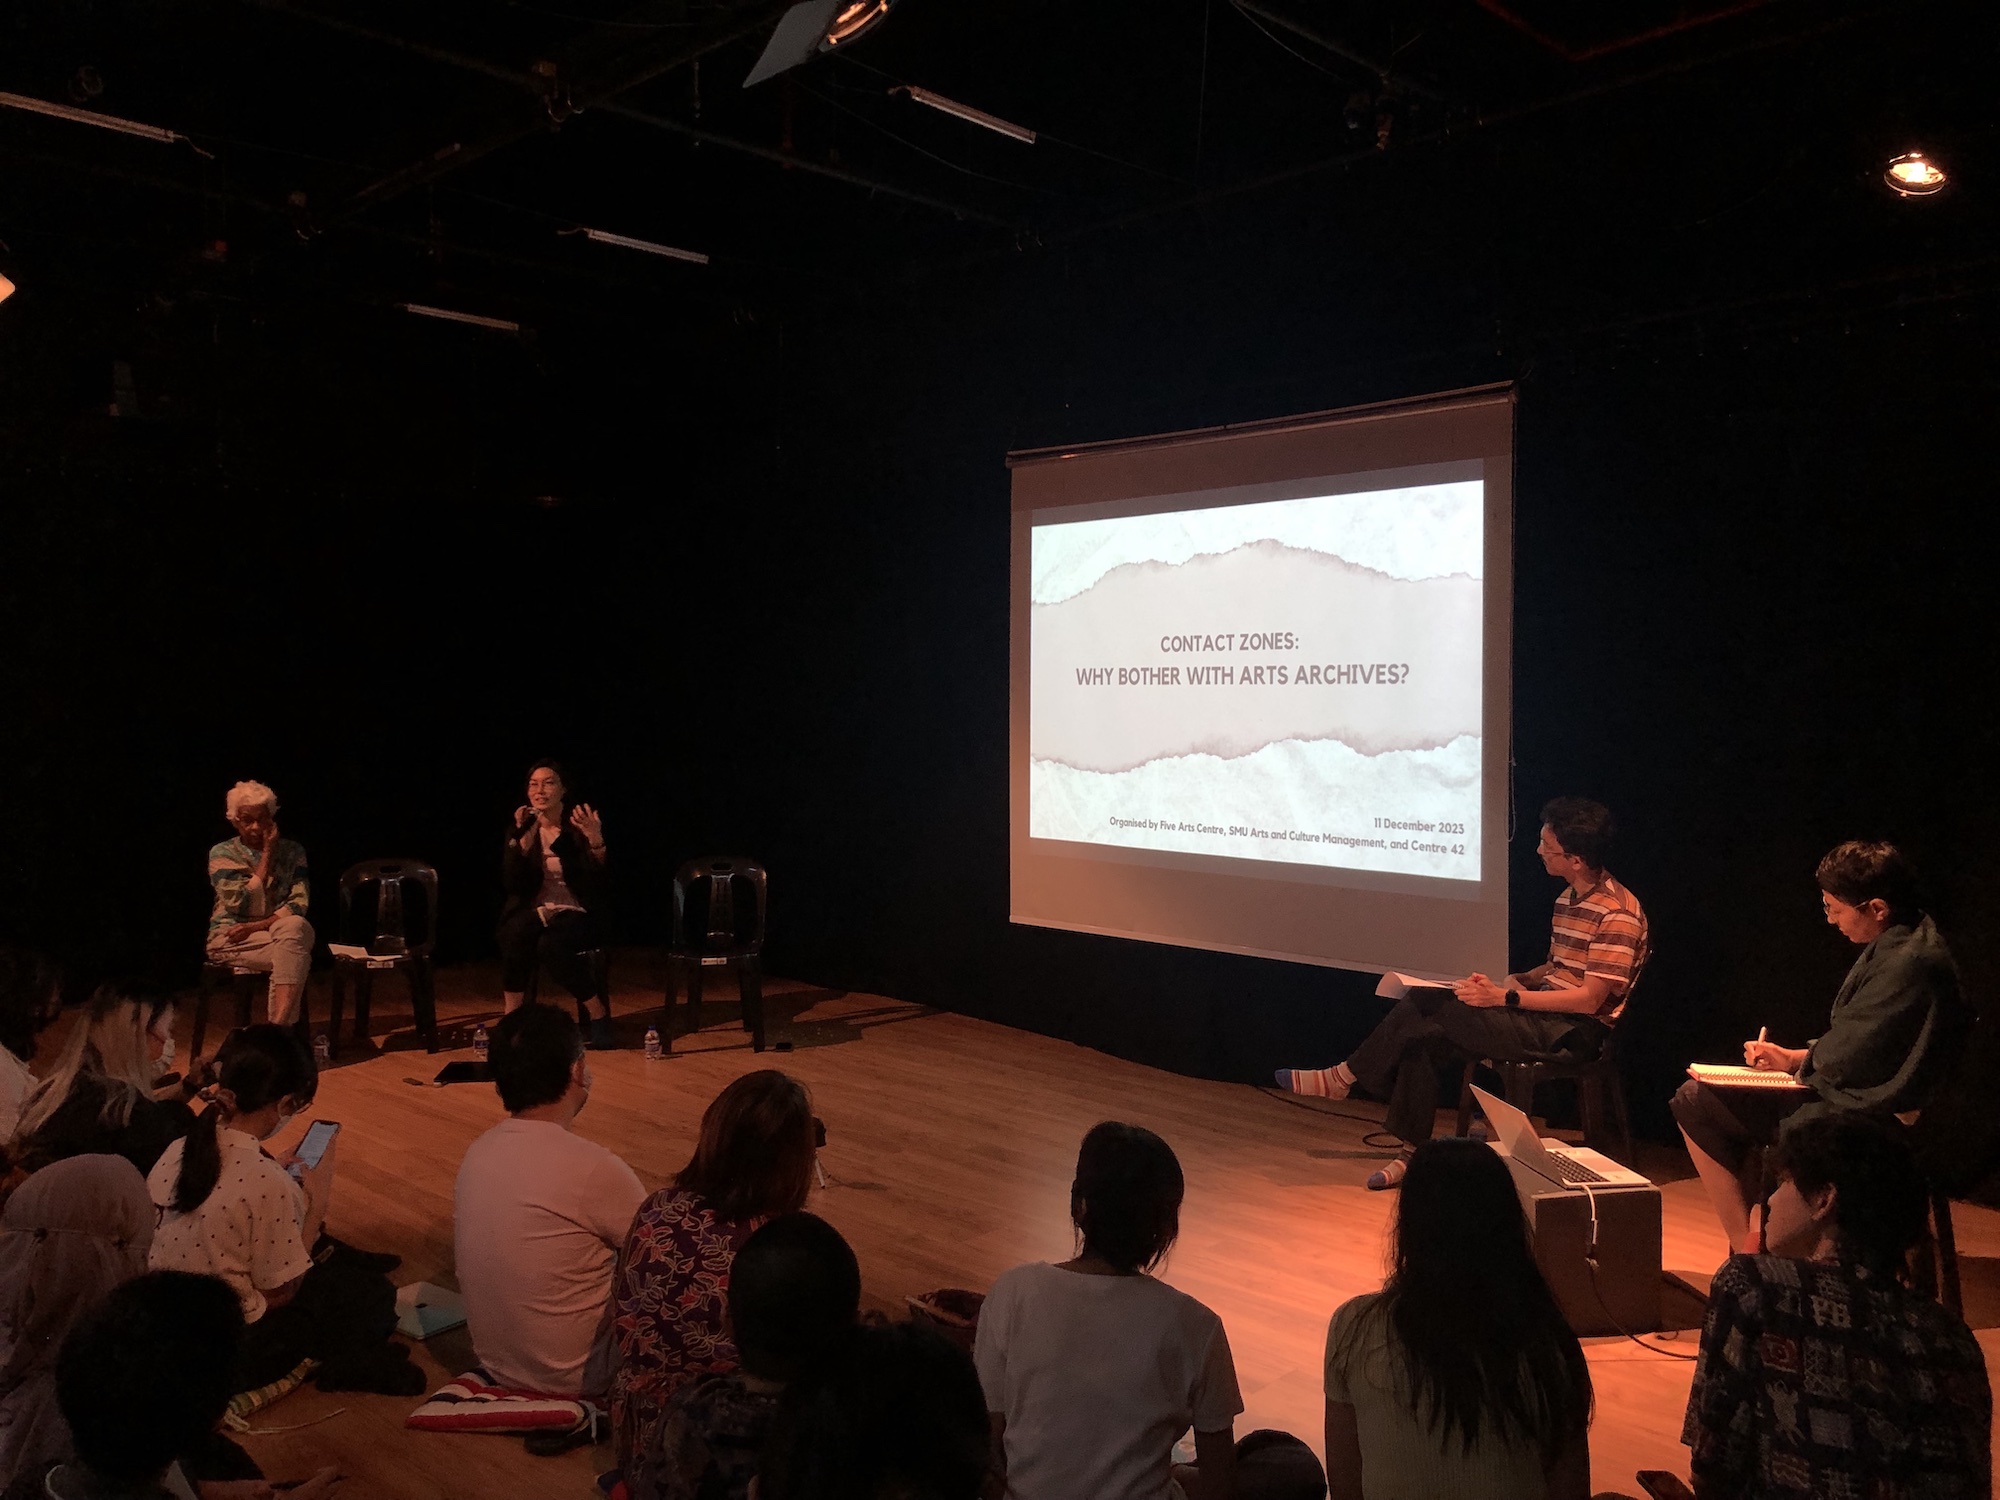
<point x="670" y="1307"/>
<point x="232" y="862"/>
<point x="1832" y="1381"/>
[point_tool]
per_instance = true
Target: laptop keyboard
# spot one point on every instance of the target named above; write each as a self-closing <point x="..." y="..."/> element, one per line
<point x="1570" y="1170"/>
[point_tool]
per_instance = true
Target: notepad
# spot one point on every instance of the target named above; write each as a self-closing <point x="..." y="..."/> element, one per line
<point x="1728" y="1076"/>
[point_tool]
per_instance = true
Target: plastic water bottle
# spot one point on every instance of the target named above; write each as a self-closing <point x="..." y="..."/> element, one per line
<point x="322" y="1050"/>
<point x="653" y="1048"/>
<point x="479" y="1042"/>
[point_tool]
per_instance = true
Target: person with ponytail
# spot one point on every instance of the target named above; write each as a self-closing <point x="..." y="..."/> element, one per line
<point x="229" y="1209"/>
<point x="1459" y="1377"/>
<point x="1092" y="1368"/>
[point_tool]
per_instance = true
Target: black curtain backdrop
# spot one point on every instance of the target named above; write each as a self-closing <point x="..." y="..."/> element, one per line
<point x="767" y="613"/>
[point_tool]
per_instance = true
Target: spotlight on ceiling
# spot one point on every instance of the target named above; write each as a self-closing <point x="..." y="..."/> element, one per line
<point x="966" y="112"/>
<point x="6" y="288"/>
<point x="1914" y="175"/>
<point x="452" y="315"/>
<point x="815" y="26"/>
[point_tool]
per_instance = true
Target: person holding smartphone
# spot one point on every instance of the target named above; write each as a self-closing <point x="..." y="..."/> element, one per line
<point x="553" y="869"/>
<point x="229" y="1209"/>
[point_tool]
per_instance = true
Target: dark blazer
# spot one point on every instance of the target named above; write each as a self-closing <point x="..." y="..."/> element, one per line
<point x="521" y="874"/>
<point x="1898" y="1023"/>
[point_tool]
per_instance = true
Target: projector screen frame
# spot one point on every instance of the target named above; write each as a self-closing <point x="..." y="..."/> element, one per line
<point x="1109" y="890"/>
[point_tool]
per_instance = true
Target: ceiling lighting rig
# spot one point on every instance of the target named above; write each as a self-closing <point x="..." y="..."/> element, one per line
<point x="452" y="315"/>
<point x="812" y="27"/>
<point x="91" y="117"/>
<point x="650" y="247"/>
<point x="966" y="112"/>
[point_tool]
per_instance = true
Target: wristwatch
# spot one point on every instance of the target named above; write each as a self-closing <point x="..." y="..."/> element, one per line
<point x="1514" y="998"/>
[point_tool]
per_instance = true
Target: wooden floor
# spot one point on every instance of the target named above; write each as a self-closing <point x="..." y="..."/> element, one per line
<point x="950" y="1148"/>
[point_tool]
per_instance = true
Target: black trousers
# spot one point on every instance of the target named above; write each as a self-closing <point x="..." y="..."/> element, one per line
<point x="341" y="1316"/>
<point x="1737" y="1126"/>
<point x="559" y="945"/>
<point x="1399" y="1059"/>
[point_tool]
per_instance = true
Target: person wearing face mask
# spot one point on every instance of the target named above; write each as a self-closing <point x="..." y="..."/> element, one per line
<point x="1897" y="1023"/>
<point x="1820" y="1372"/>
<point x="100" y="1095"/>
<point x="553" y="869"/>
<point x="230" y="1209"/>
<point x="539" y="1214"/>
<point x="261" y="891"/>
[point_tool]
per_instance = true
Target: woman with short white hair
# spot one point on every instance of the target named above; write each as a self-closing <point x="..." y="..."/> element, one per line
<point x="259" y="920"/>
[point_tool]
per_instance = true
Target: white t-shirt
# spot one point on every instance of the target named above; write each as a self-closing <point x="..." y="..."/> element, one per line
<point x="1098" y="1377"/>
<point x="16" y="1083"/>
<point x="540" y="1216"/>
<point x="250" y="1230"/>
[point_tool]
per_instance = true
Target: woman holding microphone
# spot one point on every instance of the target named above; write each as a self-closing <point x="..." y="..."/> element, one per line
<point x="553" y="869"/>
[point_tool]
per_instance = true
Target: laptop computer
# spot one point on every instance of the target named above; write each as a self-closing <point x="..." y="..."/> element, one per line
<point x="1564" y="1165"/>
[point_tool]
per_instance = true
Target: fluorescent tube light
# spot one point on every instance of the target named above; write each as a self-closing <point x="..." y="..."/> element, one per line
<point x="606" y="237"/>
<point x="500" y="325"/>
<point x="967" y="112"/>
<point x="91" y="117"/>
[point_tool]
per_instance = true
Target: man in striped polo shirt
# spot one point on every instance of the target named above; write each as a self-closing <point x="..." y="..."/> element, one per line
<point x="1597" y="946"/>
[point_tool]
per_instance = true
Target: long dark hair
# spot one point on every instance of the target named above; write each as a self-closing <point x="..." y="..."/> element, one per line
<point x="1125" y="1199"/>
<point x="1484" y="1347"/>
<point x="258" y="1066"/>
<point x="755" y="1153"/>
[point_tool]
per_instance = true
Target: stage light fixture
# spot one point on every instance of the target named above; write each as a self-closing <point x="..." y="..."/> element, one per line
<point x="627" y="242"/>
<point x="967" y="112"/>
<point x="92" y="117"/>
<point x="814" y="26"/>
<point x="451" y="315"/>
<point x="6" y="288"/>
<point x="1914" y="175"/>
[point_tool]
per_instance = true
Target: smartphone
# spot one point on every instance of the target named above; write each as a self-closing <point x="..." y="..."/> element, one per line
<point x="319" y="1135"/>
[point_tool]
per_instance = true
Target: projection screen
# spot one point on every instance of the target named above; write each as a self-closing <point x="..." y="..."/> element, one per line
<point x="1260" y="683"/>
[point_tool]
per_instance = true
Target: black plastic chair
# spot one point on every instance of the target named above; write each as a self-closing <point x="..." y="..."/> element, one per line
<point x="1600" y="1086"/>
<point x="389" y="942"/>
<point x="719" y="909"/>
<point x="242" y="983"/>
<point x="598" y="961"/>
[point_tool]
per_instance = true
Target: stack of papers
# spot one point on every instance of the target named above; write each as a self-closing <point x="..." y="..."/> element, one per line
<point x="1726" y="1076"/>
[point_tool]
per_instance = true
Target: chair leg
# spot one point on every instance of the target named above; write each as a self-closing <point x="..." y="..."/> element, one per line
<point x="200" y="1020"/>
<point x="246" y="986"/>
<point x="1621" y="1121"/>
<point x="336" y="1005"/>
<point x="1520" y="1085"/>
<point x="695" y="970"/>
<point x="750" y="985"/>
<point x="1465" y="1098"/>
<point x="364" y="993"/>
<point x="1947" y="1251"/>
<point x="423" y="1001"/>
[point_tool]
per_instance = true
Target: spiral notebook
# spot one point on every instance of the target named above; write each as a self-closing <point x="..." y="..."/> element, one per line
<point x="1728" y="1076"/>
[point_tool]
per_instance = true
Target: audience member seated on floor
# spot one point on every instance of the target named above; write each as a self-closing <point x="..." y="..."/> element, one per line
<point x="1898" y="1022"/>
<point x="1092" y="1368"/>
<point x="1567" y="1004"/>
<point x="28" y="997"/>
<point x="553" y="871"/>
<point x="99" y="1095"/>
<point x="228" y="1209"/>
<point x="539" y="1215"/>
<point x="143" y="1379"/>
<point x="261" y="890"/>
<point x="69" y="1235"/>
<point x="1459" y="1377"/>
<point x="891" y="1412"/>
<point x="1820" y="1373"/>
<point x="754" y="1159"/>
<point x="794" y="1289"/>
